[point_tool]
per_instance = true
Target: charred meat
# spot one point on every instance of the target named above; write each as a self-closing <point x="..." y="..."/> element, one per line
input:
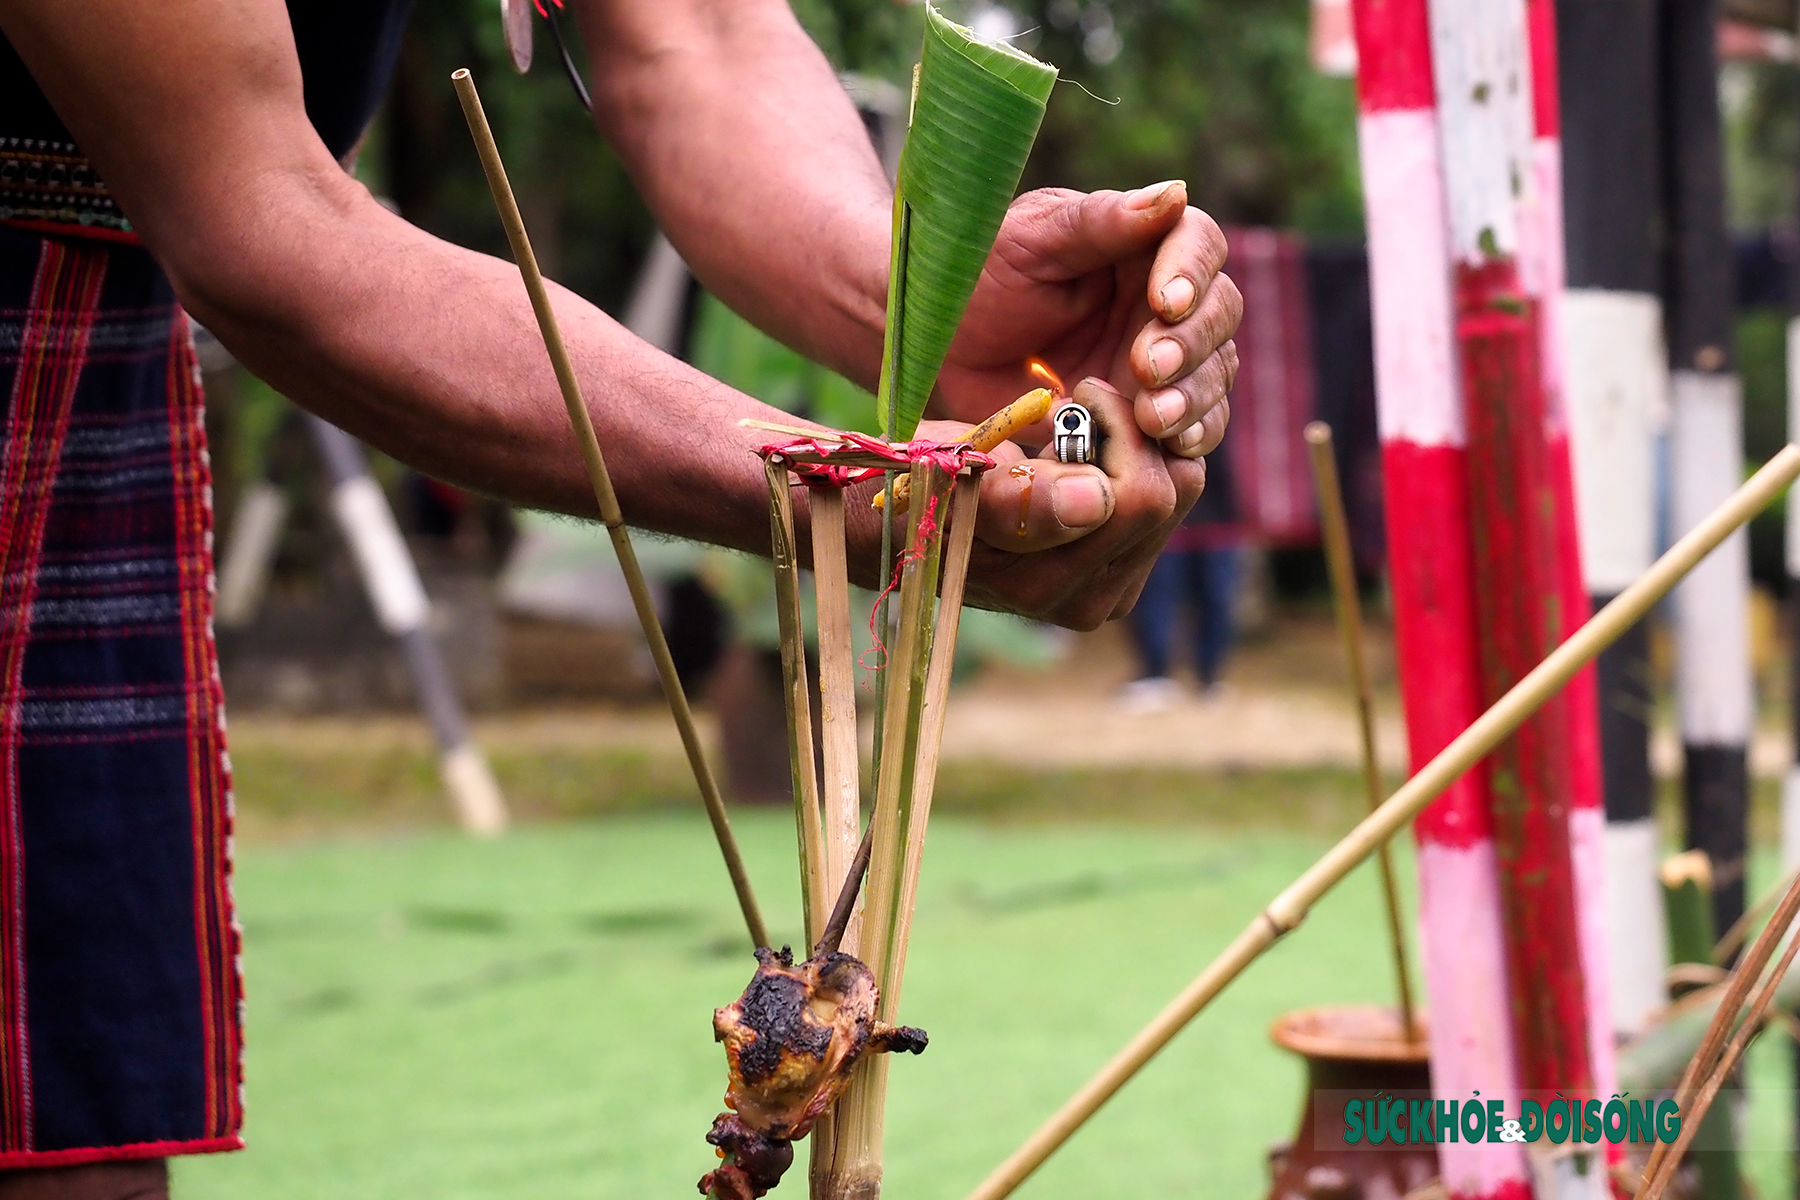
<point x="790" y="1042"/>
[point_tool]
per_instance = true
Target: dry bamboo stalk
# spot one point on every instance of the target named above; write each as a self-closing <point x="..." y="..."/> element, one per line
<point x="959" y="541"/>
<point x="1468" y="748"/>
<point x="855" y="1174"/>
<point x="1652" y="1187"/>
<point x="837" y="735"/>
<point x="816" y="892"/>
<point x="1737" y="986"/>
<point x="608" y="502"/>
<point x="837" y="691"/>
<point x="1336" y="530"/>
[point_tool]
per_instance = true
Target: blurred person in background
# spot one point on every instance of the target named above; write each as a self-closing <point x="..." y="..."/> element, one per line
<point x="164" y="159"/>
<point x="1200" y="570"/>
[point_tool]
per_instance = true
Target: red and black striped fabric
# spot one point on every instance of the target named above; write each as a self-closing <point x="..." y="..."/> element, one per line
<point x="120" y="993"/>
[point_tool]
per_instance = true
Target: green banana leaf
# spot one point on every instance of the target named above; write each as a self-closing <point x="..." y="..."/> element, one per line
<point x="976" y="110"/>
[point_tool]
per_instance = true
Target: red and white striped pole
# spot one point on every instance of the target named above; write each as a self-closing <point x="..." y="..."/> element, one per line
<point x="1481" y="57"/>
<point x="1461" y="171"/>
<point x="1425" y="484"/>
<point x="1544" y="276"/>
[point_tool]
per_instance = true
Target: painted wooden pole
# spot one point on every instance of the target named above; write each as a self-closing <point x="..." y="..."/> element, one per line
<point x="1615" y="394"/>
<point x="1544" y="275"/>
<point x="1712" y="669"/>
<point x="1481" y="57"/>
<point x="392" y="581"/>
<point x="1425" y="484"/>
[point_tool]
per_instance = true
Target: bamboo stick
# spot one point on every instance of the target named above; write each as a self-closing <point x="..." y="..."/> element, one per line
<point x="855" y="1173"/>
<point x="837" y="690"/>
<point x="608" y="501"/>
<point x="841" y="781"/>
<point x="803" y="764"/>
<point x="1468" y="748"/>
<point x="959" y="541"/>
<point x="1336" y="530"/>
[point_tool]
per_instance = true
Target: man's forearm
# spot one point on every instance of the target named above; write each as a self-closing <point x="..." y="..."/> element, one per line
<point x="431" y="353"/>
<point x="756" y="164"/>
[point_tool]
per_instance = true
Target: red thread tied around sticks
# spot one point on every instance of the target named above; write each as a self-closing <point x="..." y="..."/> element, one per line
<point x="812" y="458"/>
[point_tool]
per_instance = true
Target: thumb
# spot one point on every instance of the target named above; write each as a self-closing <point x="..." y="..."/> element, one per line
<point x="1070" y="234"/>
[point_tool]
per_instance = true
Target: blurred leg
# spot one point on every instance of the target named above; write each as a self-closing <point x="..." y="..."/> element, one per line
<point x="1219" y="572"/>
<point x="1153" y="619"/>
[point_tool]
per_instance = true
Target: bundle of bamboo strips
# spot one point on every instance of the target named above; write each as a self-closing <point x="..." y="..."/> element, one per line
<point x="940" y="533"/>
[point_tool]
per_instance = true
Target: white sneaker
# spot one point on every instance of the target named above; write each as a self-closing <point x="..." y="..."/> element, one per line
<point x="1151" y="694"/>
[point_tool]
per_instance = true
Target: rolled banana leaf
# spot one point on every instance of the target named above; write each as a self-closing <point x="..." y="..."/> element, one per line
<point x="976" y="110"/>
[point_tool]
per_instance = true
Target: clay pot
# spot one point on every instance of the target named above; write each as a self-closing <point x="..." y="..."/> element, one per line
<point x="1360" y="1048"/>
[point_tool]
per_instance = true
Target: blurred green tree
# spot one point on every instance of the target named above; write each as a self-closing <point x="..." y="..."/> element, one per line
<point x="1218" y="92"/>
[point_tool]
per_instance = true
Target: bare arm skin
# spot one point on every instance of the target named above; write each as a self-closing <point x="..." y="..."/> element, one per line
<point x="193" y="113"/>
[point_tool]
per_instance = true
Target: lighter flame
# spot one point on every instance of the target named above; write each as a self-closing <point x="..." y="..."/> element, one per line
<point x="1041" y="370"/>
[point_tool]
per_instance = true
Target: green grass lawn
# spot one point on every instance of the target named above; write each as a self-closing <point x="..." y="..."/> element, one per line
<point x="530" y="1018"/>
<point x="432" y="1016"/>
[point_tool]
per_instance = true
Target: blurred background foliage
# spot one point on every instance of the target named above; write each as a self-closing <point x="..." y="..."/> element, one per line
<point x="1218" y="92"/>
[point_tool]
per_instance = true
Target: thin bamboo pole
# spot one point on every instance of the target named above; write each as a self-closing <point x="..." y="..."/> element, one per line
<point x="1338" y="560"/>
<point x="966" y="497"/>
<point x="837" y="690"/>
<point x="608" y="502"/>
<point x="1467" y="749"/>
<point x="815" y="891"/>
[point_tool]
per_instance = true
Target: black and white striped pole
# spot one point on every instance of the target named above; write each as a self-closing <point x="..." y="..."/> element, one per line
<point x="1711" y="608"/>
<point x="392" y="581"/>
<point x="1616" y="389"/>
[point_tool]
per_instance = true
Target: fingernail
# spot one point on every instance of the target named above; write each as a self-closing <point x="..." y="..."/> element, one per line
<point x="1170" y="406"/>
<point x="1079" y="501"/>
<point x="1148" y="196"/>
<point x="1165" y="358"/>
<point x="1177" y="297"/>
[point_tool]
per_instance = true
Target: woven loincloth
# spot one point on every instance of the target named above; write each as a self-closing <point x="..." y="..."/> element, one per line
<point x="119" y="985"/>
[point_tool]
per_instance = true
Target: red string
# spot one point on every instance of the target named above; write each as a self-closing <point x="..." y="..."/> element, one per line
<point x="913" y="553"/>
<point x="946" y="456"/>
<point x="951" y="457"/>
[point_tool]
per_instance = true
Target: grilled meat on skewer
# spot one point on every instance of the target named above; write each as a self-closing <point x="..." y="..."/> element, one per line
<point x="790" y="1042"/>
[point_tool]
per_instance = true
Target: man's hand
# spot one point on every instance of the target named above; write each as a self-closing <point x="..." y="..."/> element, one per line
<point x="1123" y="286"/>
<point x="1071" y="543"/>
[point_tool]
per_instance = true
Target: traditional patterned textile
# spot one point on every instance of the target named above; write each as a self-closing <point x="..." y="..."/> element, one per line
<point x="119" y="985"/>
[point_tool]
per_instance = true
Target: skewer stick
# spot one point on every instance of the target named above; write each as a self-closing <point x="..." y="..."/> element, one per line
<point x="822" y="435"/>
<point x="801" y="760"/>
<point x="833" y="937"/>
<point x="1349" y="621"/>
<point x="1469" y="747"/>
<point x="607" y="500"/>
<point x="837" y="687"/>
<point x="958" y="543"/>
